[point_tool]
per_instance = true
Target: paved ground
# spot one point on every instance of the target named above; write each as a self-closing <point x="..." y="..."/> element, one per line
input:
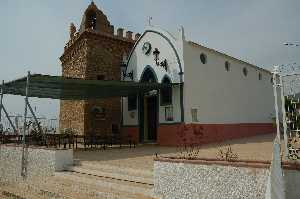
<point x="122" y="173"/>
<point x="141" y="157"/>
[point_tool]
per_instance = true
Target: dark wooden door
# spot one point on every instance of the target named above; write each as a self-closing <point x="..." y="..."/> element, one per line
<point x="152" y="118"/>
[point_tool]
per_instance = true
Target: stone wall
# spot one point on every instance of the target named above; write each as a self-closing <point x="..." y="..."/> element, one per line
<point x="94" y="53"/>
<point x="72" y="115"/>
<point x="73" y="65"/>
<point x="40" y="163"/>
<point x="275" y="186"/>
<point x="212" y="178"/>
<point x="188" y="179"/>
<point x="104" y="58"/>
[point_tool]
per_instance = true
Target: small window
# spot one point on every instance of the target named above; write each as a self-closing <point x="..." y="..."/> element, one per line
<point x="245" y="71"/>
<point x="166" y="93"/>
<point x="272" y="81"/>
<point x="203" y="58"/>
<point x="169" y="113"/>
<point x="194" y="113"/>
<point x="259" y="76"/>
<point x="227" y="66"/>
<point x="100" y="77"/>
<point x="132" y="103"/>
<point x="91" y="21"/>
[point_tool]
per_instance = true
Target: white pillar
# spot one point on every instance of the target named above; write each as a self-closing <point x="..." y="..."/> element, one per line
<point x="275" y="85"/>
<point x="286" y="152"/>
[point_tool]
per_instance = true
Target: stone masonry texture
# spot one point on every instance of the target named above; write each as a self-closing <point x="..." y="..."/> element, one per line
<point x="41" y="163"/>
<point x="93" y="53"/>
<point x="182" y="180"/>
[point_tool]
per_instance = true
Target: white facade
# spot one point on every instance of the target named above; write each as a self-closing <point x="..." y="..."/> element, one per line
<point x="138" y="61"/>
<point x="222" y="96"/>
<point x="217" y="95"/>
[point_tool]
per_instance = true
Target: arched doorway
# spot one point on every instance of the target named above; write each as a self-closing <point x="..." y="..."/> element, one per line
<point x="148" y="109"/>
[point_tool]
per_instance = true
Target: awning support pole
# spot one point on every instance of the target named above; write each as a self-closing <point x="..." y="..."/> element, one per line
<point x="1" y="104"/>
<point x="25" y="111"/>
<point x="24" y="151"/>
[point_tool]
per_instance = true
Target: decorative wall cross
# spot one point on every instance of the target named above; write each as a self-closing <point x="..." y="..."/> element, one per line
<point x="163" y="63"/>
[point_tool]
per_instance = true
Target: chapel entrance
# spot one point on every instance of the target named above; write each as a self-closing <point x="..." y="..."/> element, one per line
<point x="148" y="110"/>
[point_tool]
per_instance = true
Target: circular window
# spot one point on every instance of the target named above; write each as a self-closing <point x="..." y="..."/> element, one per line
<point x="203" y="58"/>
<point x="227" y="66"/>
<point x="245" y="71"/>
<point x="259" y="76"/>
<point x="146" y="48"/>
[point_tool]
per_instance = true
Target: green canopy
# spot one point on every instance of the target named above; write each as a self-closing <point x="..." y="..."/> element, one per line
<point x="57" y="87"/>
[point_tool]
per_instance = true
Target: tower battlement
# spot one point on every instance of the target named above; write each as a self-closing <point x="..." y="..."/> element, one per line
<point x="96" y="22"/>
<point x="121" y="34"/>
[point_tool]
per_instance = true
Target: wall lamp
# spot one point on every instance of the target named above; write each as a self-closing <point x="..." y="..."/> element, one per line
<point x="123" y="67"/>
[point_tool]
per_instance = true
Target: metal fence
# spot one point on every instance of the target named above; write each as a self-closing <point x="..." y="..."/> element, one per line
<point x="49" y="126"/>
<point x="287" y="104"/>
<point x="69" y="141"/>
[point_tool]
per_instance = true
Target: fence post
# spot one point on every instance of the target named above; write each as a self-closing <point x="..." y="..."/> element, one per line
<point x="286" y="152"/>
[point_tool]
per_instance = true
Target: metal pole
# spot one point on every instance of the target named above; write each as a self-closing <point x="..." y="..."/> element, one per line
<point x="275" y="85"/>
<point x="286" y="152"/>
<point x="1" y="104"/>
<point x="9" y="120"/>
<point x="34" y="117"/>
<point x="25" y="112"/>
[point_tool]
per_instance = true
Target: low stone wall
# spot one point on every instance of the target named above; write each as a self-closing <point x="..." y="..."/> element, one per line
<point x="41" y="162"/>
<point x="208" y="179"/>
<point x="292" y="179"/>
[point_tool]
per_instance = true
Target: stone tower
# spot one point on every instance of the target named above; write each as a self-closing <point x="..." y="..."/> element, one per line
<point x="93" y="52"/>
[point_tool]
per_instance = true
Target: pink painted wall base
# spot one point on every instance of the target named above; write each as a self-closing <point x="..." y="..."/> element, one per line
<point x="179" y="134"/>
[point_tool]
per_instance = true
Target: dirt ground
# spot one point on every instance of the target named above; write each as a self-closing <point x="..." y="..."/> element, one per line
<point x="141" y="157"/>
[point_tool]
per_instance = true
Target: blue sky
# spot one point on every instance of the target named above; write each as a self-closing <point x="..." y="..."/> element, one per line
<point x="33" y="32"/>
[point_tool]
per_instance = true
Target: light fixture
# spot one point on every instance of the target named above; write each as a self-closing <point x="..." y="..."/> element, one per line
<point x="156" y="56"/>
<point x="297" y="44"/>
<point x="123" y="67"/>
<point x="164" y="64"/>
